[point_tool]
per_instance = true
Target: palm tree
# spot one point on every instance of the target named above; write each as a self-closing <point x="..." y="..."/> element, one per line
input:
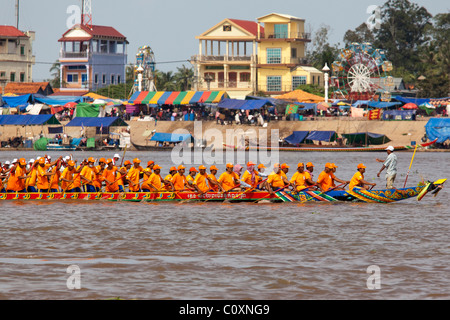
<point x="56" y="74"/>
<point x="184" y="78"/>
<point x="165" y="81"/>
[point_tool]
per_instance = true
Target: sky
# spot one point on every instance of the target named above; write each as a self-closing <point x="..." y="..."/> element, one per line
<point x="169" y="27"/>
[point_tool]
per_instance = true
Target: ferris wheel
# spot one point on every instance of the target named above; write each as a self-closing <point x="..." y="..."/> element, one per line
<point x="145" y="66"/>
<point x="360" y="73"/>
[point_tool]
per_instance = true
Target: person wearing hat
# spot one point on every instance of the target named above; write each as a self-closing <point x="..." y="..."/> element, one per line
<point x="115" y="159"/>
<point x="285" y="169"/>
<point x="150" y="165"/>
<point x="214" y="185"/>
<point x="111" y="177"/>
<point x="325" y="182"/>
<point x="124" y="171"/>
<point x="301" y="180"/>
<point x="67" y="178"/>
<point x="30" y="183"/>
<point x="55" y="177"/>
<point x="191" y="177"/>
<point x="134" y="175"/>
<point x="42" y="176"/>
<point x="229" y="179"/>
<point x="391" y="165"/>
<point x="155" y="181"/>
<point x="201" y="180"/>
<point x="168" y="185"/>
<point x="334" y="178"/>
<point x="249" y="178"/>
<point x="358" y="179"/>
<point x="310" y="169"/>
<point x="99" y="174"/>
<point x="88" y="175"/>
<point x="179" y="179"/>
<point x="277" y="179"/>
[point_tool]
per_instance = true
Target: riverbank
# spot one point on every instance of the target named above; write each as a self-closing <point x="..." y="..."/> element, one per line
<point x="401" y="133"/>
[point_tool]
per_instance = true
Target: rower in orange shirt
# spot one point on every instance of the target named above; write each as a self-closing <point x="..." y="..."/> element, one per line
<point x="229" y="179"/>
<point x="277" y="179"/>
<point x="146" y="173"/>
<point x="42" y="177"/>
<point x="32" y="177"/>
<point x="358" y="179"/>
<point x="134" y="175"/>
<point x="123" y="172"/>
<point x="111" y="177"/>
<point x="55" y="177"/>
<point x="16" y="181"/>
<point x="301" y="180"/>
<point x="191" y="177"/>
<point x="214" y="185"/>
<point x="325" y="182"/>
<point x="334" y="178"/>
<point x="155" y="181"/>
<point x="201" y="180"/>
<point x="249" y="178"/>
<point x="88" y="175"/>
<point x="98" y="174"/>
<point x="168" y="185"/>
<point x="179" y="180"/>
<point x="68" y="180"/>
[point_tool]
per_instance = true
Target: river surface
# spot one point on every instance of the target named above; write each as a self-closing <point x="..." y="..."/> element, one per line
<point x="233" y="251"/>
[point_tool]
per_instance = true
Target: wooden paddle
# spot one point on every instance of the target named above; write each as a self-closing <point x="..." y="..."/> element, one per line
<point x="415" y="149"/>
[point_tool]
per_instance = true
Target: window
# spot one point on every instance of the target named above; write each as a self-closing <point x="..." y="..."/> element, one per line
<point x="281" y="31"/>
<point x="119" y="79"/>
<point x="12" y="76"/>
<point x="103" y="46"/>
<point x="104" y="78"/>
<point x="72" y="78"/>
<point x="22" y="77"/>
<point x="226" y="28"/>
<point x="244" y="77"/>
<point x="294" y="53"/>
<point x="76" y="67"/>
<point x="84" y="78"/>
<point x="94" y="45"/>
<point x="273" y="55"/>
<point x="274" y="83"/>
<point x="22" y="50"/>
<point x="313" y="79"/>
<point x="112" y="47"/>
<point x="297" y="81"/>
<point x="2" y="75"/>
<point x="113" y="79"/>
<point x="96" y="78"/>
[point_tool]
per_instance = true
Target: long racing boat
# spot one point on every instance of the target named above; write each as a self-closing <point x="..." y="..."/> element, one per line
<point x="357" y="195"/>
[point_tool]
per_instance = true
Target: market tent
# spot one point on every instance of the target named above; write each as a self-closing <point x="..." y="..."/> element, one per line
<point x="327" y="136"/>
<point x="297" y="137"/>
<point x="417" y="101"/>
<point x="177" y="97"/>
<point x="365" y="138"/>
<point x="383" y="105"/>
<point x="28" y="120"/>
<point x="243" y="104"/>
<point x="16" y="101"/>
<point x="170" y="137"/>
<point x="440" y="102"/>
<point x="410" y="106"/>
<point x="438" y="128"/>
<point x="97" y="122"/>
<point x="57" y="100"/>
<point x="398" y="114"/>
<point x="84" y="110"/>
<point x="301" y="96"/>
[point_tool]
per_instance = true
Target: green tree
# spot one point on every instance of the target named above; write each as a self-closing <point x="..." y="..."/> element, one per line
<point x="322" y="51"/>
<point x="165" y="81"/>
<point x="55" y="82"/>
<point x="360" y="35"/>
<point x="183" y="78"/>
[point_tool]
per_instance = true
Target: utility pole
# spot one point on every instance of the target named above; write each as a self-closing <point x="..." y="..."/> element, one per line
<point x="17" y="14"/>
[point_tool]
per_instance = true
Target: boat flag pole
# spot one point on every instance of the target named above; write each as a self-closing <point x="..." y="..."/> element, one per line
<point x="415" y="149"/>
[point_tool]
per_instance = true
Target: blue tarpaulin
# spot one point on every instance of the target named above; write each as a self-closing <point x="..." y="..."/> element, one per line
<point x="383" y="105"/>
<point x="57" y="101"/>
<point x="18" y="101"/>
<point x="243" y="104"/>
<point x="438" y="128"/>
<point x="327" y="136"/>
<point x="398" y="114"/>
<point x="170" y="137"/>
<point x="417" y="101"/>
<point x="297" y="137"/>
<point x="97" y="122"/>
<point x="28" y="120"/>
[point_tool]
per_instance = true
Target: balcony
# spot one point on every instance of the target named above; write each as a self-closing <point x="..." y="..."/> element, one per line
<point x="218" y="85"/>
<point x="74" y="55"/>
<point x="288" y="62"/>
<point x="221" y="59"/>
<point x="284" y="36"/>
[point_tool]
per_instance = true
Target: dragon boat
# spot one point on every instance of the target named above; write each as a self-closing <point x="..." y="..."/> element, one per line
<point x="357" y="195"/>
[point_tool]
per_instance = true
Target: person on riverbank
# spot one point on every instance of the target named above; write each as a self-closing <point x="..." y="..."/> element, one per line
<point x="391" y="165"/>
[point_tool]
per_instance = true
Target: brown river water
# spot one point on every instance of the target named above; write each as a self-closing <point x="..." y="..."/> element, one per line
<point x="229" y="251"/>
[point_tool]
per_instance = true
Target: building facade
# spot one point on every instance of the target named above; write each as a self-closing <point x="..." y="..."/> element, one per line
<point x="16" y="55"/>
<point x="245" y="57"/>
<point x="92" y="58"/>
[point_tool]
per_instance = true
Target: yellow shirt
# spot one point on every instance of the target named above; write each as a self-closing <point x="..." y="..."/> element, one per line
<point x="134" y="176"/>
<point x="31" y="180"/>
<point x="201" y="180"/>
<point x="178" y="181"/>
<point x="155" y="181"/>
<point x="112" y="176"/>
<point x="325" y="181"/>
<point x="300" y="180"/>
<point x="67" y="174"/>
<point x="356" y="180"/>
<point x="42" y="179"/>
<point x="213" y="187"/>
<point x="227" y="180"/>
<point x="276" y="179"/>
<point x="247" y="178"/>
<point x="89" y="173"/>
<point x="168" y="187"/>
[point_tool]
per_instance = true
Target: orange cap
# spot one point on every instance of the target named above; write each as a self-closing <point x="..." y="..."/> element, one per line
<point x="250" y="164"/>
<point x="361" y="166"/>
<point x="156" y="167"/>
<point x="173" y="169"/>
<point x="22" y="161"/>
<point x="109" y="161"/>
<point x="71" y="163"/>
<point x="150" y="162"/>
<point x="213" y="168"/>
<point x="181" y="167"/>
<point x="91" y="159"/>
<point x="202" y="167"/>
<point x="136" y="160"/>
<point x="193" y="169"/>
<point x="102" y="160"/>
<point x="300" y="165"/>
<point x="334" y="166"/>
<point x="41" y="160"/>
<point x="261" y="166"/>
<point x="284" y="166"/>
<point x="309" y="164"/>
<point x="127" y="162"/>
<point x="230" y="165"/>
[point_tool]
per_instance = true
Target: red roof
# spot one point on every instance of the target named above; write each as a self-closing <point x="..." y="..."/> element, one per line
<point x="10" y="31"/>
<point x="250" y="26"/>
<point x="96" y="31"/>
<point x="26" y="87"/>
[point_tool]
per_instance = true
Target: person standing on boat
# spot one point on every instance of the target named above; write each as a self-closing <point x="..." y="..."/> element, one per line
<point x="358" y="179"/>
<point x="391" y="165"/>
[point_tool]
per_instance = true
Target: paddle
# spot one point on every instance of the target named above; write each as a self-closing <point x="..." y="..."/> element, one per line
<point x="275" y="192"/>
<point x="123" y="157"/>
<point x="415" y="149"/>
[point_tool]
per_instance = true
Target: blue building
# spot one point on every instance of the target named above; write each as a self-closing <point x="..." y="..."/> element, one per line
<point x="91" y="58"/>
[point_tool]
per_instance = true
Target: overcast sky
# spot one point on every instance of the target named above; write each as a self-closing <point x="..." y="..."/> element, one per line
<point x="169" y="27"/>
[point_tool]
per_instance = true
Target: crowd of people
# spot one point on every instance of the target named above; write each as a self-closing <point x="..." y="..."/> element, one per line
<point x="112" y="175"/>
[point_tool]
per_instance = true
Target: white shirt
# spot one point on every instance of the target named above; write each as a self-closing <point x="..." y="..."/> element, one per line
<point x="391" y="164"/>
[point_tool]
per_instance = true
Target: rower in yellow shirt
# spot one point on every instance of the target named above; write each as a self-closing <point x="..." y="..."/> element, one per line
<point x="358" y="179"/>
<point x="229" y="179"/>
<point x="201" y="180"/>
<point x="134" y="175"/>
<point x="214" y="185"/>
<point x="168" y="185"/>
<point x="249" y="178"/>
<point x="155" y="181"/>
<point x="325" y="182"/>
<point x="179" y="179"/>
<point x="88" y="174"/>
<point x="191" y="177"/>
<point x="277" y="179"/>
<point x="111" y="177"/>
<point x="301" y="180"/>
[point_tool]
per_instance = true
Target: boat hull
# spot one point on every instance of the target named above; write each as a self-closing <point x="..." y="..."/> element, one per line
<point x="315" y="149"/>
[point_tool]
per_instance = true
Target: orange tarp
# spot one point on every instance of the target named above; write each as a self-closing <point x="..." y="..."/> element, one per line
<point x="301" y="96"/>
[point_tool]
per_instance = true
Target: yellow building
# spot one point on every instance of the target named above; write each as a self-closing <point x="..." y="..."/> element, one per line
<point x="282" y="64"/>
<point x="245" y="57"/>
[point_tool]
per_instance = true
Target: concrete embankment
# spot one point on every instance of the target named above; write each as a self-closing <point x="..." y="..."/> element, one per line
<point x="400" y="132"/>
